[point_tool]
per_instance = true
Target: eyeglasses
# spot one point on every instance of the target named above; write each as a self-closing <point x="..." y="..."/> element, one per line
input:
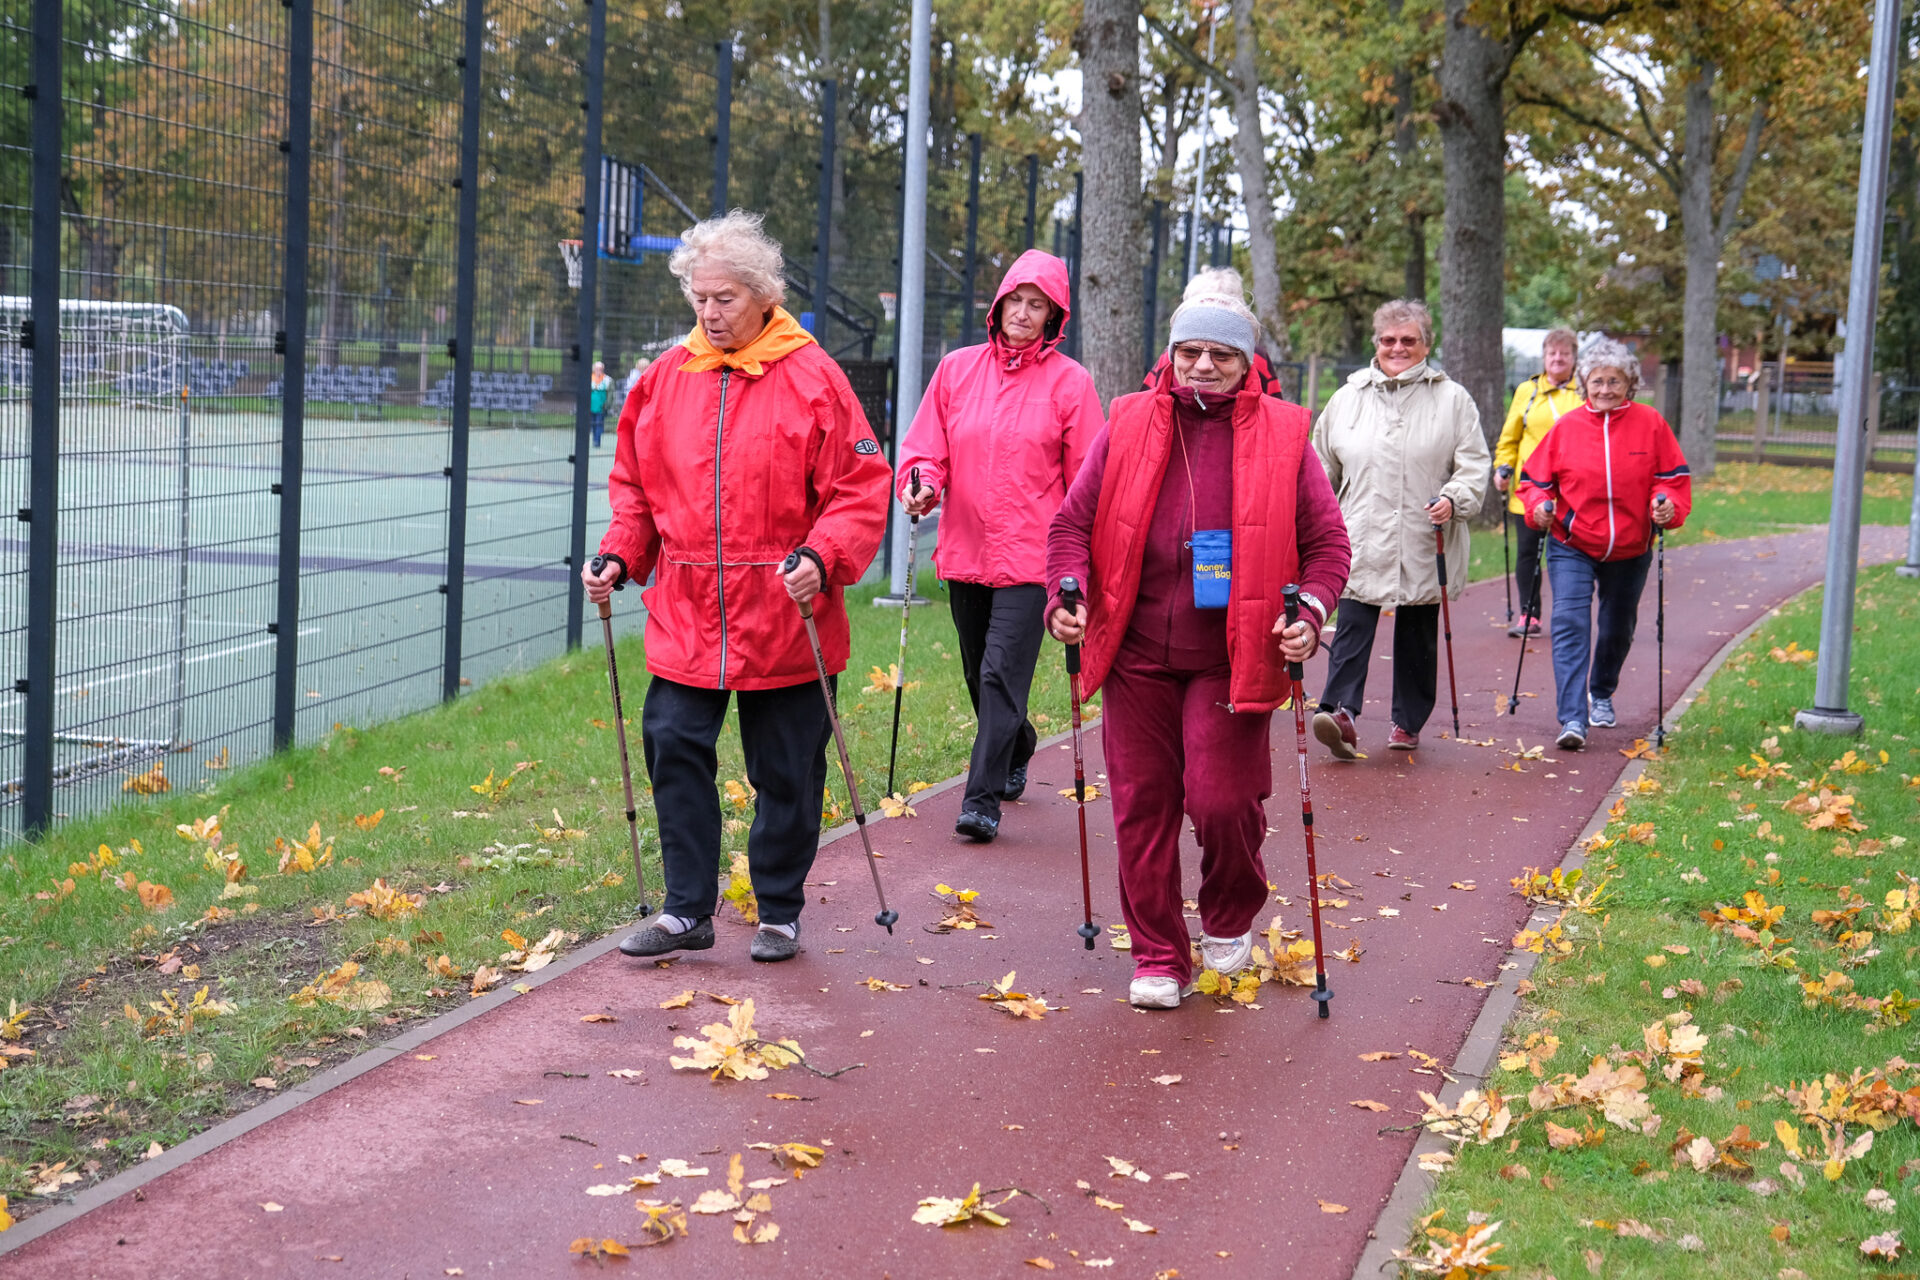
<point x="1607" y="381"/>
<point x="1391" y="341"/>
<point x="1187" y="354"/>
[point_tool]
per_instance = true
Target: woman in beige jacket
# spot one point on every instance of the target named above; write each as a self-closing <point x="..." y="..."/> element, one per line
<point x="1401" y="443"/>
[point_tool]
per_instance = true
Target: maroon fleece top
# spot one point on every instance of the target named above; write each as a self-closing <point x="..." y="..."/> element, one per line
<point x="1165" y="627"/>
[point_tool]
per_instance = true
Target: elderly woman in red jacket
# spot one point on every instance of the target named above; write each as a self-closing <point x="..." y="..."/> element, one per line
<point x="1192" y="678"/>
<point x="738" y="446"/>
<point x="999" y="437"/>
<point x="1608" y="473"/>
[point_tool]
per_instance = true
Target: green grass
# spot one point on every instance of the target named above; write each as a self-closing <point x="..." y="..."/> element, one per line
<point x="1747" y="501"/>
<point x="1646" y="955"/>
<point x="77" y="948"/>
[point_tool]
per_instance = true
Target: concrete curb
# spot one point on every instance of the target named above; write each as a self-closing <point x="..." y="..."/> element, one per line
<point x="131" y="1180"/>
<point x="1414" y="1187"/>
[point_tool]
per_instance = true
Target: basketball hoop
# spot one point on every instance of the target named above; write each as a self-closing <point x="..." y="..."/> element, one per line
<point x="889" y="303"/>
<point x="570" y="254"/>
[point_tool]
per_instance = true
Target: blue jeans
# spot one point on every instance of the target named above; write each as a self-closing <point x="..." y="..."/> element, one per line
<point x="599" y="425"/>
<point x="1577" y="642"/>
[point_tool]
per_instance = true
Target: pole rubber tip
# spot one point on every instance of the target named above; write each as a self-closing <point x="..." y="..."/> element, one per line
<point x="1088" y="932"/>
<point x="887" y="919"/>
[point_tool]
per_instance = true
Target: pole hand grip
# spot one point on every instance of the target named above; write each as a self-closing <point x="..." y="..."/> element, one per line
<point x="1290" y="595"/>
<point x="787" y="566"/>
<point x="1070" y="601"/>
<point x="599" y="564"/>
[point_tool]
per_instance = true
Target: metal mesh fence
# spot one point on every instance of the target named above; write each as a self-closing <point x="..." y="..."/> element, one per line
<point x="310" y="447"/>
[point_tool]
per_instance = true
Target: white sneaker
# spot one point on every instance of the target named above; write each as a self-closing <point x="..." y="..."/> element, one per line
<point x="1157" y="992"/>
<point x="1227" y="956"/>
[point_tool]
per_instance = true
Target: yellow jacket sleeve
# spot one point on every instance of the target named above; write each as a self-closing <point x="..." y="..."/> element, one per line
<point x="1507" y="452"/>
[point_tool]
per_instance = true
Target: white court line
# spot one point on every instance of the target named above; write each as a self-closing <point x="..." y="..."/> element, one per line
<point x="204" y="657"/>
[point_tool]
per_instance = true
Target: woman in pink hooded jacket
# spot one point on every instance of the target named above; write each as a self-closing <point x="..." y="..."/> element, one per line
<point x="999" y="436"/>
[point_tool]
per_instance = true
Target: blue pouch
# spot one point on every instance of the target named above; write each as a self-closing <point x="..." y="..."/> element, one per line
<point x="1212" y="567"/>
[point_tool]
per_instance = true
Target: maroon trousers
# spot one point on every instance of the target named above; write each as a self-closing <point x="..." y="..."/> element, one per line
<point x="1173" y="749"/>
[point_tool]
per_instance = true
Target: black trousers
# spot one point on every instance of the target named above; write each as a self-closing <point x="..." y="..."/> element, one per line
<point x="1000" y="629"/>
<point x="1526" y="566"/>
<point x="783" y="733"/>
<point x="1416" y="661"/>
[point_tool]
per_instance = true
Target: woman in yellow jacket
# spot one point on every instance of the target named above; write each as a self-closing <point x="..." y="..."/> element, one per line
<point x="1537" y="405"/>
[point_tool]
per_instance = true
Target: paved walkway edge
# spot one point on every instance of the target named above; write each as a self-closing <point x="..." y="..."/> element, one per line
<point x="131" y="1180"/>
<point x="1395" y="1226"/>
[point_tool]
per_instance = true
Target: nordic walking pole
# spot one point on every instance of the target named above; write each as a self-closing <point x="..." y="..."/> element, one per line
<point x="1446" y="618"/>
<point x="1291" y="595"/>
<point x="1070" y="601"/>
<point x="620" y="735"/>
<point x="1506" y="561"/>
<point x="1533" y="611"/>
<point x="886" y="916"/>
<point x="906" y="611"/>
<point x="1660" y="635"/>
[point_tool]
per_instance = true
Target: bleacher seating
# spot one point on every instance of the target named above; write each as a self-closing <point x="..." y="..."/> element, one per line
<point x="358" y="384"/>
<point x="512" y="392"/>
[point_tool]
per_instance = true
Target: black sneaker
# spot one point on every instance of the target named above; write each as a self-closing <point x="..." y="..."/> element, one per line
<point x="1016" y="783"/>
<point x="770" y="947"/>
<point x="655" y="941"/>
<point x="977" y="827"/>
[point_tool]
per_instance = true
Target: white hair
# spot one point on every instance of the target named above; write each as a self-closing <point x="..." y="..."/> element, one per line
<point x="1215" y="282"/>
<point x="1610" y="353"/>
<point x="734" y="245"/>
<point x="1404" y="311"/>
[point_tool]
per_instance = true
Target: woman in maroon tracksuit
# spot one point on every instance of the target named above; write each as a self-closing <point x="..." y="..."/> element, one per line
<point x="1193" y="671"/>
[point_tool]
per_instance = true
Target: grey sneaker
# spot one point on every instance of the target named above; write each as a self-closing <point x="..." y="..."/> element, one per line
<point x="1600" y="712"/>
<point x="655" y="941"/>
<point x="1573" y="736"/>
<point x="770" y="947"/>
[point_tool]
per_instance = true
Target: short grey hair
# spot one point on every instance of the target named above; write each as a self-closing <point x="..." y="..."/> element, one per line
<point x="1560" y="338"/>
<point x="1216" y="282"/>
<point x="1404" y="311"/>
<point x="734" y="245"/>
<point x="1610" y="353"/>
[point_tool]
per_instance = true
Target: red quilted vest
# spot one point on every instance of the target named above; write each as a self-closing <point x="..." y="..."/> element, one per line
<point x="1269" y="436"/>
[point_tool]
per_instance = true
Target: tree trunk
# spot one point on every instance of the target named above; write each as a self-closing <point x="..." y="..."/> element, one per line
<point x="1699" y="341"/>
<point x="1110" y="295"/>
<point x="1406" y="142"/>
<point x="1472" y="243"/>
<point x="1250" y="158"/>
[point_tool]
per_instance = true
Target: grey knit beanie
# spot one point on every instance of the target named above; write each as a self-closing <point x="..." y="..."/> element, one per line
<point x="1214" y="320"/>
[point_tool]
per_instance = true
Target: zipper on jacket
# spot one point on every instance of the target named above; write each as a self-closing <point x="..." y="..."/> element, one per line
<point x="1606" y="450"/>
<point x="719" y="556"/>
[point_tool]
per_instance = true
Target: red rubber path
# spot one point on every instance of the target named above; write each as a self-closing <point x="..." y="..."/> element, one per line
<point x="420" y="1166"/>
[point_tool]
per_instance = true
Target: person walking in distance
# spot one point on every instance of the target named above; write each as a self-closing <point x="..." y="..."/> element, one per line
<point x="1402" y="447"/>
<point x="998" y="438"/>
<point x="1197" y="507"/>
<point x="598" y="389"/>
<point x="1608" y="473"/>
<point x="742" y="445"/>
<point x="1537" y="405"/>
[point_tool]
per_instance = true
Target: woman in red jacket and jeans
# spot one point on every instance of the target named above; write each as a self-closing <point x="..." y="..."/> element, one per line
<point x="1608" y="472"/>
<point x="998" y="438"/>
<point x="1193" y="672"/>
<point x="741" y="444"/>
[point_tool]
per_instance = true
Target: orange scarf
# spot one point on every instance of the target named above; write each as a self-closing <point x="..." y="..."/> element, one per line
<point x="782" y="337"/>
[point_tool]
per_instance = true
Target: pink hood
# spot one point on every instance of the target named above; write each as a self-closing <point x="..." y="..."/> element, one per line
<point x="1049" y="275"/>
<point x="999" y="436"/>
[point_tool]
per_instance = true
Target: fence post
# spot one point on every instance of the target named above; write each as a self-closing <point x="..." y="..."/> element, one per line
<point x="41" y="335"/>
<point x="292" y="343"/>
<point x="589" y="308"/>
<point x="823" y="244"/>
<point x="971" y="273"/>
<point x="1874" y="385"/>
<point x="1762" y="411"/>
<point x="1312" y="399"/>
<point x="722" y="121"/>
<point x="1073" y="243"/>
<point x="1150" y="313"/>
<point x="1033" y="194"/>
<point x="464" y="285"/>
